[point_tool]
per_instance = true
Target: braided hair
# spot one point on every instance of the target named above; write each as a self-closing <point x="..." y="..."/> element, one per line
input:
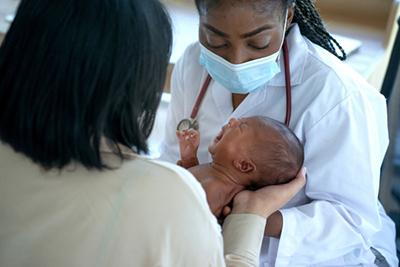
<point x="306" y="16"/>
<point x="311" y="25"/>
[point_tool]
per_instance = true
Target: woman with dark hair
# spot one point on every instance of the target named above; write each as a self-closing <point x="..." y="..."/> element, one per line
<point x="275" y="58"/>
<point x="80" y="82"/>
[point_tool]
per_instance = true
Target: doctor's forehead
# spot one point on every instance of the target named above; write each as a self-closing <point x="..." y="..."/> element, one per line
<point x="241" y="20"/>
<point x="267" y="7"/>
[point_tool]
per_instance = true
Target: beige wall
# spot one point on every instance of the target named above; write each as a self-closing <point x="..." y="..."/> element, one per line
<point x="377" y="77"/>
<point x="376" y="15"/>
<point x="369" y="12"/>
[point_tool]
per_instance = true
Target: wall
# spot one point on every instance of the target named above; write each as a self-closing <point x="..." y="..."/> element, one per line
<point x="377" y="78"/>
<point x="369" y="12"/>
<point x="375" y="15"/>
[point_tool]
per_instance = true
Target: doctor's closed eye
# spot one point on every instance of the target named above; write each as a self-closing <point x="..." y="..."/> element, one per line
<point x="260" y="42"/>
<point x="214" y="37"/>
<point x="215" y="41"/>
<point x="216" y="44"/>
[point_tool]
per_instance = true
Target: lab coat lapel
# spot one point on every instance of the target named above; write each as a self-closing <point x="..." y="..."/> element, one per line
<point x="251" y="103"/>
<point x="222" y="99"/>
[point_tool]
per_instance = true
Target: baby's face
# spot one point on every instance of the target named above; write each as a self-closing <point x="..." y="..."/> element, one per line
<point x="233" y="139"/>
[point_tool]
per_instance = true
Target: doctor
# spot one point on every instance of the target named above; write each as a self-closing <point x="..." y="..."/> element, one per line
<point x="275" y="58"/>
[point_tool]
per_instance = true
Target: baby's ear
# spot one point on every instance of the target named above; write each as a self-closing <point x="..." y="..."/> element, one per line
<point x="244" y="166"/>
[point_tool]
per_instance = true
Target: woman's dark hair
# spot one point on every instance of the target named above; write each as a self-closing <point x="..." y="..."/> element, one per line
<point x="75" y="71"/>
<point x="306" y="16"/>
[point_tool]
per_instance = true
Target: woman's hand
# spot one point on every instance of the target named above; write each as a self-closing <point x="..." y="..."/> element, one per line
<point x="269" y="199"/>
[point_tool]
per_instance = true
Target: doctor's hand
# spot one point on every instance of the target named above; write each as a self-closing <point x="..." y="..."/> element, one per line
<point x="267" y="200"/>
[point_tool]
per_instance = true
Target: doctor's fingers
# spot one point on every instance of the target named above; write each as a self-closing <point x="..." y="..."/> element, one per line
<point x="294" y="186"/>
<point x="289" y="189"/>
<point x="276" y="196"/>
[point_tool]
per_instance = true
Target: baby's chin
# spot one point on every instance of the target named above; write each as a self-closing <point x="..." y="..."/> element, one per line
<point x="215" y="141"/>
<point x="211" y="150"/>
<point x="212" y="146"/>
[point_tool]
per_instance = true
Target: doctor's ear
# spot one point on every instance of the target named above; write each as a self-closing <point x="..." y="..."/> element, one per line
<point x="290" y="16"/>
<point x="244" y="166"/>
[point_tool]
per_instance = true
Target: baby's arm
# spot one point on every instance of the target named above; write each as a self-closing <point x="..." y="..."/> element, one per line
<point x="189" y="141"/>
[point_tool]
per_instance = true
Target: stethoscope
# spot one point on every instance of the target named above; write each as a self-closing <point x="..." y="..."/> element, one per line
<point x="192" y="122"/>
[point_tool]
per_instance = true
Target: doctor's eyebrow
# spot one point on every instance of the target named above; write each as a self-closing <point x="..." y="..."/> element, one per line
<point x="256" y="31"/>
<point x="215" y="30"/>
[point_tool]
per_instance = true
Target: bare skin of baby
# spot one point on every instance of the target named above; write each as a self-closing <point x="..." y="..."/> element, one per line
<point x="237" y="163"/>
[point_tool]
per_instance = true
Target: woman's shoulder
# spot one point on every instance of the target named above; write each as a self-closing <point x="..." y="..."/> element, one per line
<point x="162" y="175"/>
<point x="164" y="201"/>
<point x="162" y="187"/>
<point x="181" y="176"/>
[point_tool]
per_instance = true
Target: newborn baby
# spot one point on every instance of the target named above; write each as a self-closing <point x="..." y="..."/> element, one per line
<point x="248" y="153"/>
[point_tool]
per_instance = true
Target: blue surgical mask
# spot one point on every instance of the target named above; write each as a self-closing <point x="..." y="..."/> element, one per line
<point x="240" y="78"/>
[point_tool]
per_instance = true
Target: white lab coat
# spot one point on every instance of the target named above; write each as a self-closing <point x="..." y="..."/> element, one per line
<point x="342" y="122"/>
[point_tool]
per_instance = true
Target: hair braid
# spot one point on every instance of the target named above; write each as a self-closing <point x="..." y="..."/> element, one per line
<point x="311" y="26"/>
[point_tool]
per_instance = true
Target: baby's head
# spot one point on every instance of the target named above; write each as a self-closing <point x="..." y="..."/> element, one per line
<point x="259" y="151"/>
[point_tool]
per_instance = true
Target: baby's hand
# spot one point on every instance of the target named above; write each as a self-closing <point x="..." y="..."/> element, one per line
<point x="189" y="141"/>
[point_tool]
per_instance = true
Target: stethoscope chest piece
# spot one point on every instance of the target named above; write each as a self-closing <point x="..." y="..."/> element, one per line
<point x="188" y="124"/>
